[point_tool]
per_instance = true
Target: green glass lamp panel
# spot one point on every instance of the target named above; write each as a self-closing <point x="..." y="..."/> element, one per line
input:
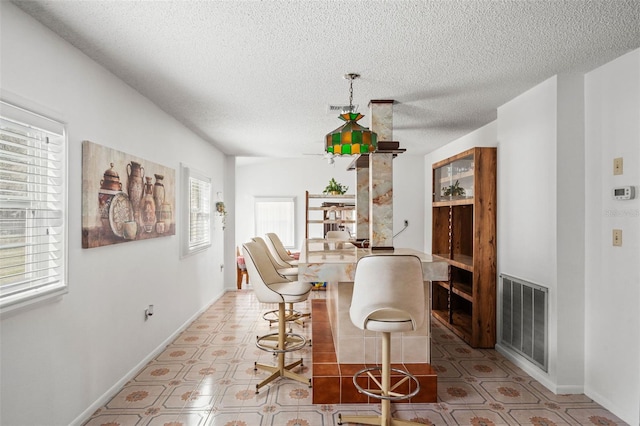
<point x="366" y="138"/>
<point x="351" y="138"/>
<point x="351" y="116"/>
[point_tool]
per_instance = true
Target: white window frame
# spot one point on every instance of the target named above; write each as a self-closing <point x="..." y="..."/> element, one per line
<point x="288" y="236"/>
<point x="54" y="283"/>
<point x="192" y="177"/>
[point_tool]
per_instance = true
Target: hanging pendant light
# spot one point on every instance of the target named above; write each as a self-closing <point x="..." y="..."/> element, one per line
<point x="351" y="138"/>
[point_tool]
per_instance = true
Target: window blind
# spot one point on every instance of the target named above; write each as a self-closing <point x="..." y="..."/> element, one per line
<point x="32" y="206"/>
<point x="199" y="213"/>
<point x="276" y="215"/>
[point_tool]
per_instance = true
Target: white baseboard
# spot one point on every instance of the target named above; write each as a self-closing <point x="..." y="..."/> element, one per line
<point x="543" y="378"/>
<point x="106" y="397"/>
<point x="537" y="373"/>
<point x="611" y="406"/>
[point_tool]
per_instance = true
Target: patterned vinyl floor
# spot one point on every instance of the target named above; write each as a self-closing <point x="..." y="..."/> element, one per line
<point x="206" y="377"/>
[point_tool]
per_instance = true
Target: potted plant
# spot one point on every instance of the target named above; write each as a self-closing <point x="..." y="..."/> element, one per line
<point x="454" y="190"/>
<point x="222" y="211"/>
<point x="335" y="188"/>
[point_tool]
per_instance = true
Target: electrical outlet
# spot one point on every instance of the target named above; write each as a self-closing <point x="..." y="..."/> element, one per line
<point x="406" y="223"/>
<point x="148" y="312"/>
<point x="617" y="166"/>
<point x="617" y="237"/>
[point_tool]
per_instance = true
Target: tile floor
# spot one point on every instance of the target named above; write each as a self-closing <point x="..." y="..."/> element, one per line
<point x="206" y="377"/>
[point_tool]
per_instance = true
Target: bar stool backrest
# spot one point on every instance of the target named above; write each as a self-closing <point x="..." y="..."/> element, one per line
<point x="388" y="286"/>
<point x="274" y="261"/>
<point x="277" y="248"/>
<point x="262" y="273"/>
<point x="338" y="235"/>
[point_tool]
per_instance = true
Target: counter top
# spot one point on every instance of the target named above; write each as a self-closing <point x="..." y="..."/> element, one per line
<point x="329" y="260"/>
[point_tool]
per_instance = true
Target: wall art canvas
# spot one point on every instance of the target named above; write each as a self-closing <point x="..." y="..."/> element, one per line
<point x="124" y="198"/>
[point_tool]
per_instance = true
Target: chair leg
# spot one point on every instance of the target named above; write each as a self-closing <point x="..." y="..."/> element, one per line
<point x="281" y="370"/>
<point x="384" y="419"/>
<point x="240" y="275"/>
<point x="297" y="317"/>
<point x="290" y="315"/>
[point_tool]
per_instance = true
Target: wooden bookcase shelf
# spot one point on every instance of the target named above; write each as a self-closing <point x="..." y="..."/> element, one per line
<point x="464" y="235"/>
<point x="328" y="212"/>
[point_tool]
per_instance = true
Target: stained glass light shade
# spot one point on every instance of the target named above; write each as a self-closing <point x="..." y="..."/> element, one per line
<point x="351" y="138"/>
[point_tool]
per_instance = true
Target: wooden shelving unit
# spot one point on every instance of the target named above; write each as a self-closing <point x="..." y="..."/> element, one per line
<point x="464" y="235"/>
<point x="319" y="209"/>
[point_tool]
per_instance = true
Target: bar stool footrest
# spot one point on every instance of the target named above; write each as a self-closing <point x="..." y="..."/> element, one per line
<point x="378" y="392"/>
<point x="292" y="342"/>
<point x="290" y="315"/>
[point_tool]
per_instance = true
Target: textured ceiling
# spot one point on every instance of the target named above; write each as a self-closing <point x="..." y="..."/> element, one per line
<point x="255" y="78"/>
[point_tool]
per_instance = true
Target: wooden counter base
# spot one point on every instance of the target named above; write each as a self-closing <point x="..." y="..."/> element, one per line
<point x="332" y="382"/>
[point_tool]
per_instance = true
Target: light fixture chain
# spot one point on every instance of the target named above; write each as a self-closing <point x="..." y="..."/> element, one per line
<point x="351" y="95"/>
<point x="351" y="77"/>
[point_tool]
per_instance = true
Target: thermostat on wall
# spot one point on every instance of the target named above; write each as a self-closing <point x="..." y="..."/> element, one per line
<point x="624" y="193"/>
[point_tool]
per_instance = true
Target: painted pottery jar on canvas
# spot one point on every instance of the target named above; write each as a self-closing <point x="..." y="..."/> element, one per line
<point x="148" y="208"/>
<point x="158" y="193"/>
<point x="110" y="185"/>
<point x="111" y="180"/>
<point x="165" y="213"/>
<point x="135" y="186"/>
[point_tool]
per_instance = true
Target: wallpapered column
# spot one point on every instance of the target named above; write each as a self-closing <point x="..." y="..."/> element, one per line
<point x="382" y="119"/>
<point x="362" y="203"/>
<point x="381" y="202"/>
<point x="381" y="179"/>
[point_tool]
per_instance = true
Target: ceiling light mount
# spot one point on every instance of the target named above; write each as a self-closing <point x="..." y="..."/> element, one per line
<point x="351" y="138"/>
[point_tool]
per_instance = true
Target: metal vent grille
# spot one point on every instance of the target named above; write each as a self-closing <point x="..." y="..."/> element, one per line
<point x="341" y="109"/>
<point x="524" y="319"/>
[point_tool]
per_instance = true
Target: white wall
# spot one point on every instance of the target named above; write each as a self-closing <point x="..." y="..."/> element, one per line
<point x="612" y="341"/>
<point x="527" y="185"/>
<point x="485" y="136"/>
<point x="292" y="177"/>
<point x="541" y="214"/>
<point x="556" y="145"/>
<point x="61" y="358"/>
<point x="229" y="197"/>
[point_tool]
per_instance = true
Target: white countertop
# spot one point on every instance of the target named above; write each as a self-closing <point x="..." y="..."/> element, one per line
<point x="331" y="260"/>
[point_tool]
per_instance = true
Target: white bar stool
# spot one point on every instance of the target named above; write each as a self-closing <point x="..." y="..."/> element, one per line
<point x="388" y="297"/>
<point x="290" y="274"/>
<point x="270" y="287"/>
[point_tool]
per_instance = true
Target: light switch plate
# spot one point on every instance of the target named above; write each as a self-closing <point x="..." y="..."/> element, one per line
<point x="617" y="166"/>
<point x="617" y="237"/>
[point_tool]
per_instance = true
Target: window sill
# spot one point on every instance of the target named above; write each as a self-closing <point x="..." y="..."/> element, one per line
<point x="28" y="299"/>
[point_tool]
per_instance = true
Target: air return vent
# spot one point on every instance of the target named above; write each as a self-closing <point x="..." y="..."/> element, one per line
<point x="524" y="319"/>
<point x="341" y="109"/>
